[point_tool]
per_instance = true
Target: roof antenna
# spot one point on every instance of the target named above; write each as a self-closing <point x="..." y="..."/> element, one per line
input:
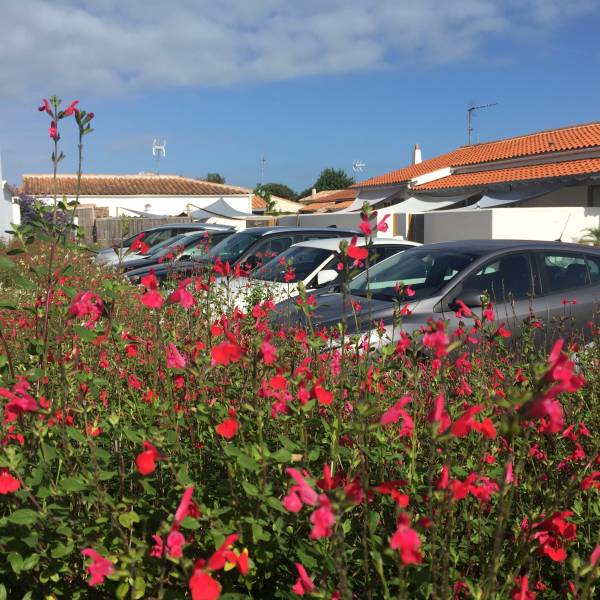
<point x="471" y="113"/>
<point x="563" y="229"/>
<point x="158" y="146"/>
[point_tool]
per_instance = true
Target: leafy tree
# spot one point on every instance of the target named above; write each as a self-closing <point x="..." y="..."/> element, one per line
<point x="265" y="194"/>
<point x="215" y="178"/>
<point x="329" y="179"/>
<point x="281" y="190"/>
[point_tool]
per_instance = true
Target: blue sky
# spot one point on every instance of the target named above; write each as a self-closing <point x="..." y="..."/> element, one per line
<point x="309" y="85"/>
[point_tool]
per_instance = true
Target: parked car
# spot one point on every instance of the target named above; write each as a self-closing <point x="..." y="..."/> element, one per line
<point x="172" y="250"/>
<point x="557" y="282"/>
<point x="152" y="237"/>
<point x="250" y="248"/>
<point x="313" y="263"/>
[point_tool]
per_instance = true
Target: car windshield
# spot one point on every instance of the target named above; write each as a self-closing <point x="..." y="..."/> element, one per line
<point x="300" y="261"/>
<point x="426" y="271"/>
<point x="164" y="247"/>
<point x="234" y="246"/>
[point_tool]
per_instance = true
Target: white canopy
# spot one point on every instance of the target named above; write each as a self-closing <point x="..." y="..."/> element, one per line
<point x="424" y="203"/>
<point x="140" y="213"/>
<point x="493" y="199"/>
<point x="220" y="208"/>
<point x="372" y="196"/>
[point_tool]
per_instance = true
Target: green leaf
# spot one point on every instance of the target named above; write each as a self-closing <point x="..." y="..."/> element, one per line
<point x="282" y="456"/>
<point x="122" y="590"/>
<point x="247" y="463"/>
<point x="3" y="595"/>
<point x="128" y="519"/>
<point x="190" y="523"/>
<point x="76" y="435"/>
<point x="6" y="263"/>
<point x="24" y="283"/>
<point x="61" y="550"/>
<point x="16" y="561"/>
<point x="23" y="516"/>
<point x="8" y="305"/>
<point x="73" y="484"/>
<point x="250" y="488"/>
<point x="31" y="561"/>
<point x="83" y="333"/>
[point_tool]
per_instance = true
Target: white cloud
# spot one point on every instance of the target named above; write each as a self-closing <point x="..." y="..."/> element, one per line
<point x="121" y="46"/>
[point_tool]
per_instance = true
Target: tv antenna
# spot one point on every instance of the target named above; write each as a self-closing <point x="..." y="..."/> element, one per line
<point x="358" y="166"/>
<point x="471" y="113"/>
<point x="158" y="146"/>
<point x="263" y="162"/>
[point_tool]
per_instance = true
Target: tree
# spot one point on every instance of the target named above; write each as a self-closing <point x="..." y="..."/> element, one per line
<point x="265" y="194"/>
<point x="215" y="178"/>
<point x="329" y="179"/>
<point x="592" y="236"/>
<point x="281" y="190"/>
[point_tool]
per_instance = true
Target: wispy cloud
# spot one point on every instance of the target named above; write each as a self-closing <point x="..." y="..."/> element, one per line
<point x="123" y="46"/>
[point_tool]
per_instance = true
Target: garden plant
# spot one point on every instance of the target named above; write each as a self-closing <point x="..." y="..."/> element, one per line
<point x="156" y="444"/>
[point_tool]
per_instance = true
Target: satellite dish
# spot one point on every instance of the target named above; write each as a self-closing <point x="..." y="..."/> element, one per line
<point x="358" y="166"/>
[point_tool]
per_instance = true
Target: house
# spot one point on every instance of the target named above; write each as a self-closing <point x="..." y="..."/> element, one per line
<point x="282" y="205"/>
<point x="553" y="174"/>
<point x="142" y="194"/>
<point x="328" y="201"/>
<point x="9" y="211"/>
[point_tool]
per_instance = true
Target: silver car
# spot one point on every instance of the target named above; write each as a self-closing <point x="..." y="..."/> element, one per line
<point x="557" y="283"/>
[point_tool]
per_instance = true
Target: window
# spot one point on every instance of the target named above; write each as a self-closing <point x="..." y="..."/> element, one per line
<point x="564" y="271"/>
<point x="268" y="249"/>
<point x="505" y="278"/>
<point x="593" y="265"/>
<point x="299" y="260"/>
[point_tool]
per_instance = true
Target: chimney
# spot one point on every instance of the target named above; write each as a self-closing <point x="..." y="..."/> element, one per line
<point x="314" y="191"/>
<point x="416" y="155"/>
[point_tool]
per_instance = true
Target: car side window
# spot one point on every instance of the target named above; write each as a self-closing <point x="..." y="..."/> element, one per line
<point x="505" y="278"/>
<point x="265" y="250"/>
<point x="563" y="271"/>
<point x="593" y="265"/>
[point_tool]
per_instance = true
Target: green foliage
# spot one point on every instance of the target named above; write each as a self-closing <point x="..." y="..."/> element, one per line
<point x="215" y="178"/>
<point x="281" y="190"/>
<point x="329" y="179"/>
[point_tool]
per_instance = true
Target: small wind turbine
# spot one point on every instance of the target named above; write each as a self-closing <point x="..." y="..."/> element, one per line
<point x="158" y="146"/>
<point x="358" y="166"/>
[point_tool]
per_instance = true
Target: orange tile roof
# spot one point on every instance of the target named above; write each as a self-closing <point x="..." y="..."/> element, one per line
<point x="258" y="203"/>
<point x="317" y="196"/>
<point x="127" y="185"/>
<point x="544" y="142"/>
<point x="530" y="172"/>
<point x="325" y="206"/>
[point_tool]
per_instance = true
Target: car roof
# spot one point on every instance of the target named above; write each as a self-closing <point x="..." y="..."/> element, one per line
<point x="263" y="231"/>
<point x="334" y="243"/>
<point x="490" y="246"/>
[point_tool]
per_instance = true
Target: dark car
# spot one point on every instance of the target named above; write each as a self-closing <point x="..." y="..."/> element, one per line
<point x="174" y="249"/>
<point x="557" y="282"/>
<point x="154" y="236"/>
<point x="251" y="248"/>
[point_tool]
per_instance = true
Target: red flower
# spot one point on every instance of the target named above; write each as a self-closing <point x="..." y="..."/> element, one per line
<point x="355" y="252"/>
<point x="228" y="428"/>
<point x="223" y="554"/>
<point x="86" y="304"/>
<point x="157" y="549"/>
<point x="53" y="131"/>
<point x="99" y="568"/>
<point x="268" y="351"/>
<point x="152" y="299"/>
<point x="146" y="460"/>
<point x="139" y="246"/>
<point x="19" y="400"/>
<point x="382" y="225"/>
<point x="225" y="353"/>
<point x="182" y="296"/>
<point x="397" y="411"/>
<point x="304" y="584"/>
<point x="407" y="540"/>
<point x="306" y="493"/>
<point x="365" y="226"/>
<point x="45" y="107"/>
<point x="595" y="557"/>
<point x="203" y="586"/>
<point x="8" y="484"/>
<point x="70" y="109"/>
<point x="324" y="397"/>
<point x="186" y="505"/>
<point x="463" y="310"/>
<point x="521" y="592"/>
<point x="552" y="532"/>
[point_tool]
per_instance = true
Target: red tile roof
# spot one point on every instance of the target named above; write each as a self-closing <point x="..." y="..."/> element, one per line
<point x="127" y="185"/>
<point x="530" y="172"/>
<point x="541" y="143"/>
<point x="258" y="203"/>
<point x="335" y="200"/>
<point x="314" y="207"/>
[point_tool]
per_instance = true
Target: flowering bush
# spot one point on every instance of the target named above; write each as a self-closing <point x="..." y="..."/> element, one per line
<point x="156" y="444"/>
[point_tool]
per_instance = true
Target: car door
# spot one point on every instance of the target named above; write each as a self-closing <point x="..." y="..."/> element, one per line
<point x="509" y="280"/>
<point x="566" y="285"/>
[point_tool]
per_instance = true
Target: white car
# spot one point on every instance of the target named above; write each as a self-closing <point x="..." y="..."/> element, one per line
<point x="313" y="263"/>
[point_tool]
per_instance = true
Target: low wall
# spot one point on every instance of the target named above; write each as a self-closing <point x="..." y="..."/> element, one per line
<point x="321" y="220"/>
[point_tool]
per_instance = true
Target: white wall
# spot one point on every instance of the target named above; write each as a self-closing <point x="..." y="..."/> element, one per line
<point x="9" y="212"/>
<point x="567" y="196"/>
<point x="511" y="223"/>
<point x="162" y="205"/>
<point x="448" y="225"/>
<point x="351" y="220"/>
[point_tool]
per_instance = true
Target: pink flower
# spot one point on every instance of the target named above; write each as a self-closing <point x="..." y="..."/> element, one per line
<point x="86" y="304"/>
<point x="175" y="360"/>
<point x="269" y="352"/>
<point x="152" y="299"/>
<point x="53" y="131"/>
<point x="99" y="568"/>
<point x="595" y="557"/>
<point x="70" y="109"/>
<point x="307" y="494"/>
<point x="225" y="353"/>
<point x="229" y="427"/>
<point x="355" y="252"/>
<point x="182" y="296"/>
<point x="8" y="484"/>
<point x="292" y="501"/>
<point x="407" y="541"/>
<point x="19" y="400"/>
<point x="382" y="225"/>
<point x="548" y="408"/>
<point x="437" y="339"/>
<point x="157" y="549"/>
<point x="186" y="505"/>
<point x="322" y="519"/>
<point x="521" y="592"/>
<point x="393" y="414"/>
<point x="365" y="226"/>
<point x="304" y="584"/>
<point x="45" y="107"/>
<point x="175" y="542"/>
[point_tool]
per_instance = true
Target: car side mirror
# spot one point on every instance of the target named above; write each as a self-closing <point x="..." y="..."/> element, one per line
<point x="470" y="298"/>
<point x="326" y="276"/>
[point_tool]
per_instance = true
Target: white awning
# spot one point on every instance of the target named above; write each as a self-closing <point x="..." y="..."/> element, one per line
<point x="493" y="199"/>
<point x="140" y="213"/>
<point x="424" y="203"/>
<point x="220" y="208"/>
<point x="372" y="196"/>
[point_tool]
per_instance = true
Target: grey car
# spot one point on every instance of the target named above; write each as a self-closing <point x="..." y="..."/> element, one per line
<point x="558" y="283"/>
